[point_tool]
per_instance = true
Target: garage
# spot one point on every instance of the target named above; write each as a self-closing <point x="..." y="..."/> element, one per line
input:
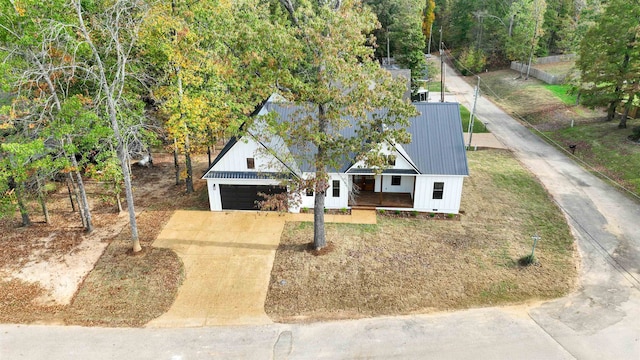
<point x="245" y="197"/>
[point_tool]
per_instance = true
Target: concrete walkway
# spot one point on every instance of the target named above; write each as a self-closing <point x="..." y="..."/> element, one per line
<point x="228" y="258"/>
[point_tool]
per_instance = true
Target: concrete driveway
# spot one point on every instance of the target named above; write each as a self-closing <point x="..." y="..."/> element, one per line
<point x="227" y="258"/>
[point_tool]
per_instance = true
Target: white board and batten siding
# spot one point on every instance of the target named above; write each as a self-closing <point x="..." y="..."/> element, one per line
<point x="450" y="202"/>
<point x="406" y="184"/>
<point x="236" y="160"/>
<point x="330" y="201"/>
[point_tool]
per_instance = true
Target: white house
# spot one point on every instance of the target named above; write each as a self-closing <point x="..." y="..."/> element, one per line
<point x="425" y="175"/>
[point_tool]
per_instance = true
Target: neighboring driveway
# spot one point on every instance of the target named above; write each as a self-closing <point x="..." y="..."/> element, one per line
<point x="227" y="258"/>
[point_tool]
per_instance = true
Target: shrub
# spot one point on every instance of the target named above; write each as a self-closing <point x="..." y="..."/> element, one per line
<point x="432" y="215"/>
<point x="450" y="216"/>
<point x="381" y="211"/>
<point x="414" y="213"/>
<point x="472" y="61"/>
<point x="397" y="212"/>
<point x="527" y="260"/>
<point x="344" y="210"/>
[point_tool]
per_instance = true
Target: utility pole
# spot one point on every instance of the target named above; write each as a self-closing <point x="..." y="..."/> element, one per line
<point x="388" y="56"/>
<point x="430" y="36"/>
<point x="473" y="112"/>
<point x="441" y="68"/>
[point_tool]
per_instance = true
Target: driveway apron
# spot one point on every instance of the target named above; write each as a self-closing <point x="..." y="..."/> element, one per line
<point x="227" y="259"/>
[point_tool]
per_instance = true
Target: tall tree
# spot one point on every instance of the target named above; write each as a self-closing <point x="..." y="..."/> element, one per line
<point x="334" y="76"/>
<point x="400" y="34"/>
<point x="609" y="58"/>
<point x="115" y="26"/>
<point x="428" y="17"/>
<point x="527" y="30"/>
<point x="39" y="71"/>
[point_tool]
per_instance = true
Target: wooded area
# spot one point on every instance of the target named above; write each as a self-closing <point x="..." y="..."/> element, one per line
<point x="86" y="87"/>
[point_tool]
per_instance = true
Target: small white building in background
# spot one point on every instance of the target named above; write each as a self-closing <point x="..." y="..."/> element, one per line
<point x="425" y="175"/>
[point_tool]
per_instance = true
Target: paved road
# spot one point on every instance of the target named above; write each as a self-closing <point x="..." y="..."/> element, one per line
<point x="599" y="321"/>
<point x="602" y="319"/>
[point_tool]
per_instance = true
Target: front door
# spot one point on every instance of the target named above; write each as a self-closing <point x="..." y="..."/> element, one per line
<point x="364" y="182"/>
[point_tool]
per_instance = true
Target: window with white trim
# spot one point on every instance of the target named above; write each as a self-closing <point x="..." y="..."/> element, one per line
<point x="438" y="190"/>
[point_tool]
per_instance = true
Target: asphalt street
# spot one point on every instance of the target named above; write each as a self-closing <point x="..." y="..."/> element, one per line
<point x="599" y="321"/>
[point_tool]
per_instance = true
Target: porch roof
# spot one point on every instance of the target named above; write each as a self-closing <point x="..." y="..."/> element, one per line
<point x="385" y="171"/>
<point x="246" y="175"/>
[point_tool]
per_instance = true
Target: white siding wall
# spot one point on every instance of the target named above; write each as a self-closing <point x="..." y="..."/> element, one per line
<point x="406" y="184"/>
<point x="236" y="158"/>
<point x="401" y="162"/>
<point x="330" y="202"/>
<point x="450" y="203"/>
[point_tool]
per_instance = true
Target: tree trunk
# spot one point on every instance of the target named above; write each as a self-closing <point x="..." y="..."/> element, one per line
<point x="42" y="201"/>
<point x="69" y="183"/>
<point x="187" y="161"/>
<point x="83" y="203"/>
<point x="113" y="118"/>
<point x="24" y="213"/>
<point x="625" y="115"/>
<point x="611" y="110"/>
<point x="319" y="235"/>
<point x="176" y="165"/>
<point x="209" y="154"/>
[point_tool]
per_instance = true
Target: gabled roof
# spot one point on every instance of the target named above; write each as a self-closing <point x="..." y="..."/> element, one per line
<point x="436" y="148"/>
<point x="437" y="143"/>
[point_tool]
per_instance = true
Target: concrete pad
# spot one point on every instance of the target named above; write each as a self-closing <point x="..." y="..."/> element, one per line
<point x="484" y="140"/>
<point x="227" y="258"/>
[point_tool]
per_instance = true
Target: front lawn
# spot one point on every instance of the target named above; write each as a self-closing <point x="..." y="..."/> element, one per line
<point x="405" y="265"/>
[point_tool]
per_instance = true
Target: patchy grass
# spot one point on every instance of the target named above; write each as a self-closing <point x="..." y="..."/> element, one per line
<point x="549" y="109"/>
<point x="406" y="265"/>
<point x="478" y="126"/>
<point x="558" y="68"/>
<point x="607" y="149"/>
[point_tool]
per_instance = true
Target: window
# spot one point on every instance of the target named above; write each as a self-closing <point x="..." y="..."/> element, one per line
<point x="251" y="163"/>
<point x="391" y="160"/>
<point x="336" y="188"/>
<point x="309" y="192"/>
<point x="438" y="190"/>
<point x="395" y="180"/>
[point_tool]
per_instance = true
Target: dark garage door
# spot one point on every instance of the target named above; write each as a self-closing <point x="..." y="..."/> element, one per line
<point x="244" y="197"/>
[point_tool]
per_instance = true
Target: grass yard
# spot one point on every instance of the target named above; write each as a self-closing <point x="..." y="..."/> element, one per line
<point x="561" y="92"/>
<point x="607" y="149"/>
<point x="404" y="265"/>
<point x="551" y="110"/>
<point x="478" y="126"/>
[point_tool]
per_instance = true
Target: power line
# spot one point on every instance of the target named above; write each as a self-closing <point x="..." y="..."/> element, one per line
<point x="540" y="133"/>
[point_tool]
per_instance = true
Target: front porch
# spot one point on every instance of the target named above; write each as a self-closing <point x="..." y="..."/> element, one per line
<point x="370" y="199"/>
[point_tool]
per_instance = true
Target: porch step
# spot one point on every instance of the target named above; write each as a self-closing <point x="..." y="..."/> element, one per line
<point x="363" y="207"/>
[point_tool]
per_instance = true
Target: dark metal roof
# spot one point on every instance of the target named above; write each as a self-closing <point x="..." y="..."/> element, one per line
<point x="436" y="148"/>
<point x="386" y="171"/>
<point x="437" y="143"/>
<point x="246" y="175"/>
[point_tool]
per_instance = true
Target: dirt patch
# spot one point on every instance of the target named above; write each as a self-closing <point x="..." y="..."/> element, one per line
<point x="407" y="265"/>
<point x="42" y="266"/>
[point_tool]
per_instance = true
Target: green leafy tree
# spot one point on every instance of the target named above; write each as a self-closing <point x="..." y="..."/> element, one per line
<point x="609" y="59"/>
<point x="526" y="32"/>
<point x="400" y="34"/>
<point x="20" y="161"/>
<point x="334" y="76"/>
